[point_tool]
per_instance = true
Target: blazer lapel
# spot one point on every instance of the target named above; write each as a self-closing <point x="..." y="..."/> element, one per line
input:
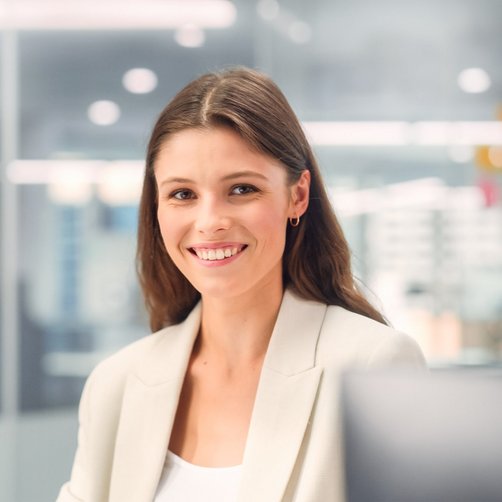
<point x="148" y="410"/>
<point x="285" y="397"/>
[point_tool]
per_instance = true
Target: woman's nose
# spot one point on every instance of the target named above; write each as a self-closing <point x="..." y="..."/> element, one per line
<point x="212" y="217"/>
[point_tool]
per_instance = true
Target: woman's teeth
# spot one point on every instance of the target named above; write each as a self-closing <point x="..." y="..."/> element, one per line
<point x="216" y="254"/>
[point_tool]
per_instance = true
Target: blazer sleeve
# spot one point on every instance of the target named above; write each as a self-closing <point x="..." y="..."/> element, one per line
<point x="396" y="349"/>
<point x="76" y="489"/>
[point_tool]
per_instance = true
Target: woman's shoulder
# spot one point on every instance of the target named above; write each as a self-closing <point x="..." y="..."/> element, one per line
<point x="128" y="356"/>
<point x="356" y="339"/>
<point x="148" y="354"/>
<point x="356" y="323"/>
<point x="344" y="338"/>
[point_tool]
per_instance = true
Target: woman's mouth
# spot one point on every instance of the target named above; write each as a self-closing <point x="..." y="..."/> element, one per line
<point x="217" y="254"/>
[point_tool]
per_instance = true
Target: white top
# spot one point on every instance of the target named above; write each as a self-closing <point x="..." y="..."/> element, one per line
<point x="182" y="481"/>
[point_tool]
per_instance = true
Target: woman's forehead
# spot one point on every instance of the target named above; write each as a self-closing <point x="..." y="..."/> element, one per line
<point x="211" y="146"/>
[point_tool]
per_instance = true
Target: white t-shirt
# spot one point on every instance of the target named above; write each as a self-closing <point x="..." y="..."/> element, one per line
<point x="182" y="481"/>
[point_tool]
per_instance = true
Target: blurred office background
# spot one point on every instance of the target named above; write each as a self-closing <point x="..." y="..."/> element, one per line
<point x="401" y="99"/>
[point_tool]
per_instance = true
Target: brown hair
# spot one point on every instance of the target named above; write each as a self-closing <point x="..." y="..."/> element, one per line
<point x="316" y="262"/>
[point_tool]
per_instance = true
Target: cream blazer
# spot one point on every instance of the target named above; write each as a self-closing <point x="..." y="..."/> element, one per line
<point x="293" y="450"/>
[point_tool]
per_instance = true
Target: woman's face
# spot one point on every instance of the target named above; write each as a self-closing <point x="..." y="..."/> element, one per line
<point x="223" y="210"/>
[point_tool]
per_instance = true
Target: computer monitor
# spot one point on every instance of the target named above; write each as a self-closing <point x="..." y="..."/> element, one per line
<point x="422" y="437"/>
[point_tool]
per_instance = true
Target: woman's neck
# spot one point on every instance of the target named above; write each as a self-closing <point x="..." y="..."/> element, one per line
<point x="237" y="331"/>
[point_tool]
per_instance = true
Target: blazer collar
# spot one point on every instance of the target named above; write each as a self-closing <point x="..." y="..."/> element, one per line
<point x="283" y="404"/>
<point x="169" y="356"/>
<point x="292" y="347"/>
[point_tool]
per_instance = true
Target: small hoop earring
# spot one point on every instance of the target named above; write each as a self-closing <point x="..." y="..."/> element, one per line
<point x="294" y="222"/>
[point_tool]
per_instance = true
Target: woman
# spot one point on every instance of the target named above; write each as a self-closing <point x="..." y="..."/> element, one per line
<point x="247" y="280"/>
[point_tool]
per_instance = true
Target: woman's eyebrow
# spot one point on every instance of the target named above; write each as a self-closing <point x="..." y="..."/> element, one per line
<point x="240" y="174"/>
<point x="175" y="179"/>
<point x="231" y="176"/>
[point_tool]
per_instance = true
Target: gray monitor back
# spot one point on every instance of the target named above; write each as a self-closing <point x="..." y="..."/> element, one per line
<point x="422" y="437"/>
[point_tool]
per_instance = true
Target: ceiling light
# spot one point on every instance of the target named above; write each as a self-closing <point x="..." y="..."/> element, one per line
<point x="35" y="172"/>
<point x="103" y="113"/>
<point x="69" y="193"/>
<point x="140" y="80"/>
<point x="268" y="9"/>
<point x="389" y="133"/>
<point x="358" y="133"/>
<point x="457" y="133"/>
<point x="116" y="14"/>
<point x="190" y="35"/>
<point x="70" y="185"/>
<point x="474" y="80"/>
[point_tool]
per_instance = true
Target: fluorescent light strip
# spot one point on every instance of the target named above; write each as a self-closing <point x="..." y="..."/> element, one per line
<point x="403" y="133"/>
<point x="115" y="14"/>
<point x="357" y="133"/>
<point x="36" y="172"/>
<point x="73" y="182"/>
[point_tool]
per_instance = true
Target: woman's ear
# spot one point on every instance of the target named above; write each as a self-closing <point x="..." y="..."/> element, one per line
<point x="300" y="195"/>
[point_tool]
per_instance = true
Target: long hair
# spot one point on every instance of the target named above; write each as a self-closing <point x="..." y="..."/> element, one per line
<point x="316" y="261"/>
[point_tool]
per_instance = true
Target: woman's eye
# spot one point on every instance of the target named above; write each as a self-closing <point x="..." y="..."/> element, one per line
<point x="243" y="189"/>
<point x="182" y="195"/>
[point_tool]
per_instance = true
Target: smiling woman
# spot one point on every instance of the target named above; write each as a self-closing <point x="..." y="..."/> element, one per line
<point x="246" y="104"/>
<point x="246" y="275"/>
